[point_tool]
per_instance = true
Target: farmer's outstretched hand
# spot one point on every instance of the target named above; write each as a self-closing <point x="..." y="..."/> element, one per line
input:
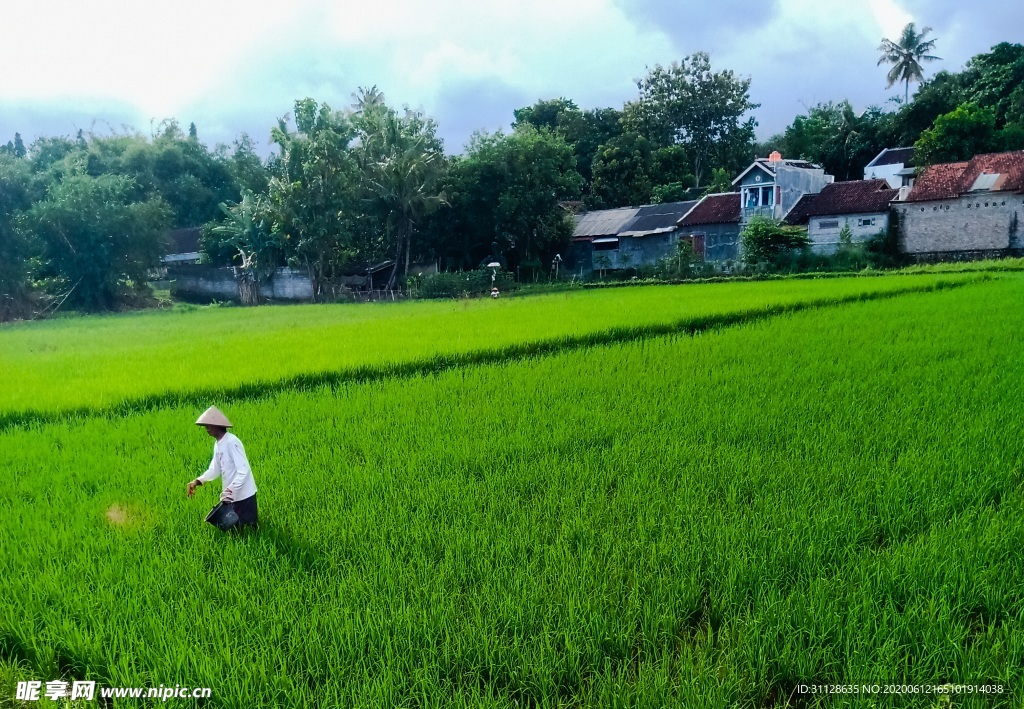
<point x="191" y="487"/>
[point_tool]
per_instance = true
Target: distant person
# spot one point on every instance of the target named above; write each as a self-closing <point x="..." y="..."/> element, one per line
<point x="238" y="487"/>
<point x="494" y="292"/>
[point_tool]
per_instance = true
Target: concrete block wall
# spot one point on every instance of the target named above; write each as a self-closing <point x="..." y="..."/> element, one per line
<point x="288" y="284"/>
<point x="220" y="284"/>
<point x="825" y="240"/>
<point x="978" y="222"/>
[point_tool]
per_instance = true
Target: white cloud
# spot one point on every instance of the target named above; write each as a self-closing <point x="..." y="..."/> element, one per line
<point x="234" y="65"/>
<point x="157" y="56"/>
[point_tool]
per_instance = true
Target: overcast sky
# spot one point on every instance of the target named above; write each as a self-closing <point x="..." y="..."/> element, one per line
<point x="237" y="65"/>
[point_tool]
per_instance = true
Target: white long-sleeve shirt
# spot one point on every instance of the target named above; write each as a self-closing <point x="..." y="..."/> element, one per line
<point x="232" y="467"/>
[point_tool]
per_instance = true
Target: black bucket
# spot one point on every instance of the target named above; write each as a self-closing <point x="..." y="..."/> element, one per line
<point x="223" y="516"/>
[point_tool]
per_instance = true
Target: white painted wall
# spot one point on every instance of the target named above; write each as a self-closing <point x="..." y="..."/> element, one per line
<point x="824" y="231"/>
<point x="887" y="173"/>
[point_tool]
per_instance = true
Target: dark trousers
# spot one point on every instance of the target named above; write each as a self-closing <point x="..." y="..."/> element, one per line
<point x="246" y="511"/>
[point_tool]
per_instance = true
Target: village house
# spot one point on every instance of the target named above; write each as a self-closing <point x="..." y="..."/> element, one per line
<point x="713" y="227"/>
<point x="862" y="206"/>
<point x="612" y="239"/>
<point x="894" y="165"/>
<point x="772" y="186"/>
<point x="964" y="210"/>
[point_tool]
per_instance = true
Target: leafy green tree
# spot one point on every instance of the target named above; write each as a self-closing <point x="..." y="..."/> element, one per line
<point x="845" y="236"/>
<point x="671" y="192"/>
<point x="313" y="197"/>
<point x="906" y="56"/>
<point x="16" y="249"/>
<point x="764" y="240"/>
<point x="505" y="199"/>
<point x="584" y="131"/>
<point x="181" y="170"/>
<point x="959" y="135"/>
<point x="247" y="169"/>
<point x="621" y="173"/>
<point x="996" y="81"/>
<point x="14" y="147"/>
<point x="545" y="114"/>
<point x="935" y="97"/>
<point x="1012" y="137"/>
<point x="245" y="238"/>
<point x="47" y="154"/>
<point x="368" y="98"/>
<point x="98" y="240"/>
<point x="688" y="104"/>
<point x="720" y="182"/>
<point x="403" y="164"/>
<point x="834" y="136"/>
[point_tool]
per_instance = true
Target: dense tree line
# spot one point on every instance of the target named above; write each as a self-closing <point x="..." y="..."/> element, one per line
<point x="952" y="116"/>
<point x="83" y="219"/>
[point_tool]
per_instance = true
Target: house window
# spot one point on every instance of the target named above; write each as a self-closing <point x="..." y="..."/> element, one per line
<point x="866" y="222"/>
<point x="606" y="244"/>
<point x="832" y="224"/>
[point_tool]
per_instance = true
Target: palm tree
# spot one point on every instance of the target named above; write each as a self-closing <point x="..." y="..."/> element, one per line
<point x="365" y="99"/>
<point x="403" y="167"/>
<point x="906" y="57"/>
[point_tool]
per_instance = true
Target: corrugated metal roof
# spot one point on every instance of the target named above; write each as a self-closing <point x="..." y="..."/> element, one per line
<point x="657" y="218"/>
<point x="604" y="222"/>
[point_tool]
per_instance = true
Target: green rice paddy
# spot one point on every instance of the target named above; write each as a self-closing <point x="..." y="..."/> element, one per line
<point x="825" y="495"/>
<point x="94" y="362"/>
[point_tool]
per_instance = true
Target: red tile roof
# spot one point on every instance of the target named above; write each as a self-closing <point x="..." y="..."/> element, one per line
<point x="949" y="180"/>
<point x="854" y="197"/>
<point x="798" y="214"/>
<point x="938" y="182"/>
<point x="714" y="209"/>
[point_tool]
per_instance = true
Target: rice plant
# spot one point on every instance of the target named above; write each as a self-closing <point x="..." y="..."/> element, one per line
<point x="824" y="497"/>
<point x="120" y="360"/>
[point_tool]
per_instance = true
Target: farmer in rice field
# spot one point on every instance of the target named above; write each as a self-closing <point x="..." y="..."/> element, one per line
<point x="230" y="465"/>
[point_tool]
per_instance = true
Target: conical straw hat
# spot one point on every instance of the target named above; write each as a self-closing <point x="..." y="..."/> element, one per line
<point x="213" y="417"/>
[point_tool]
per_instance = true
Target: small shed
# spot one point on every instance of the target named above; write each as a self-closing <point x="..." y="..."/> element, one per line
<point x="596" y="238"/>
<point x="613" y="239"/>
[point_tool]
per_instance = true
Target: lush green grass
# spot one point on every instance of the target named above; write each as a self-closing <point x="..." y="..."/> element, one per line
<point x="103" y="361"/>
<point x="827" y="496"/>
